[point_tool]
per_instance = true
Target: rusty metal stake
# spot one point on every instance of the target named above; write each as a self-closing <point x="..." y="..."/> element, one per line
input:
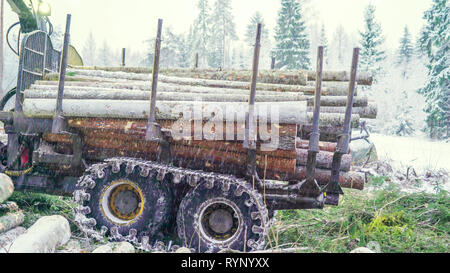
<point x="196" y="61"/>
<point x="311" y="188"/>
<point x="59" y="122"/>
<point x="250" y="133"/>
<point x="333" y="189"/>
<point x="152" y="128"/>
<point x="123" y="56"/>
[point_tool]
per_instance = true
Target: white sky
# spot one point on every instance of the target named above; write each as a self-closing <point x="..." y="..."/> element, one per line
<point x="127" y="23"/>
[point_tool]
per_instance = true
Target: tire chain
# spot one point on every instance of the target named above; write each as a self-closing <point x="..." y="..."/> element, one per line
<point x="180" y="175"/>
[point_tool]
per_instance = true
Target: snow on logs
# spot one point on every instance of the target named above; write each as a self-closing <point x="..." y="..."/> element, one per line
<point x="289" y="77"/>
<point x="6" y="187"/>
<point x="44" y="236"/>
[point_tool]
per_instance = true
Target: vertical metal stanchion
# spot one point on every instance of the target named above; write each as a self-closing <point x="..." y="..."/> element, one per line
<point x="151" y="130"/>
<point x="123" y="56"/>
<point x="250" y="134"/>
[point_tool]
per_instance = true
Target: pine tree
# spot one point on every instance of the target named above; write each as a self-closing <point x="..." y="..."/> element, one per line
<point x="201" y="32"/>
<point x="403" y="124"/>
<point x="105" y="56"/>
<point x="371" y="41"/>
<point x="223" y="31"/>
<point x="405" y="52"/>
<point x="323" y="41"/>
<point x="90" y="50"/>
<point x="340" y="48"/>
<point x="251" y="30"/>
<point x="292" y="44"/>
<point x="435" y="39"/>
<point x="250" y="40"/>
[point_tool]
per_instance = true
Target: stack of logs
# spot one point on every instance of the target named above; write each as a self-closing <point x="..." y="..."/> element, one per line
<point x="110" y="106"/>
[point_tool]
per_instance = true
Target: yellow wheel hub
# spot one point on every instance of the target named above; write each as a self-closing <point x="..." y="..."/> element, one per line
<point x="125" y="200"/>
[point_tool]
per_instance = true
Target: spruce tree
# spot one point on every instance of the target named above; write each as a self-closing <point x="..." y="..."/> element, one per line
<point x="371" y="41"/>
<point x="435" y="39"/>
<point x="251" y="30"/>
<point x="292" y="44"/>
<point x="90" y="50"/>
<point x="405" y="52"/>
<point x="223" y="31"/>
<point x="201" y="32"/>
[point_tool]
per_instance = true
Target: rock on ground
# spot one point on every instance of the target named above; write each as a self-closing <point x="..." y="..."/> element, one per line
<point x="103" y="249"/>
<point x="362" y="250"/>
<point x="45" y="236"/>
<point x="6" y="187"/>
<point x="183" y="250"/>
<point x="124" y="247"/>
<point x="9" y="236"/>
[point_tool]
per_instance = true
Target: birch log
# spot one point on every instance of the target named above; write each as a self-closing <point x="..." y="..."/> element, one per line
<point x="44" y="92"/>
<point x="369" y="112"/>
<point x="281" y="112"/>
<point x="11" y="220"/>
<point x="6" y="187"/>
<point x="362" y="78"/>
<point x="339" y="101"/>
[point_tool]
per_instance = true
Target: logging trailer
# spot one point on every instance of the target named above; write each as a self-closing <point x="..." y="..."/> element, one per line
<point x="157" y="187"/>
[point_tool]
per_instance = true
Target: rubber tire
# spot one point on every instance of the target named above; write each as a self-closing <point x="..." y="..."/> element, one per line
<point x="157" y="196"/>
<point x="188" y="214"/>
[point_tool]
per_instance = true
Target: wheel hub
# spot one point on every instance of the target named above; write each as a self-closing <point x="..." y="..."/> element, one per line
<point x="122" y="202"/>
<point x="219" y="221"/>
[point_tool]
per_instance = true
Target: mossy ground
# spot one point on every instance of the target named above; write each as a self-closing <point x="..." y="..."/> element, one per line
<point x="398" y="221"/>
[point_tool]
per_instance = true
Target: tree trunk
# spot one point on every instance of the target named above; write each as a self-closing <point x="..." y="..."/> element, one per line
<point x="289" y="112"/>
<point x="324" y="160"/>
<point x="352" y="180"/>
<point x="369" y="112"/>
<point x="339" y="101"/>
<point x="11" y="220"/>
<point x="41" y="92"/>
<point x="342" y="76"/>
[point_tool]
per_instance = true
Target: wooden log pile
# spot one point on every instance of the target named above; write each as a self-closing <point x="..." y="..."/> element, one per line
<point x="111" y="106"/>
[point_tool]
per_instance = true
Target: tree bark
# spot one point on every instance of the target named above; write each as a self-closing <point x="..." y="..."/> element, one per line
<point x="342" y="76"/>
<point x="289" y="112"/>
<point x="324" y="160"/>
<point x="368" y="112"/>
<point x="352" y="180"/>
<point x="41" y="92"/>
<point x="339" y="101"/>
<point x="11" y="220"/>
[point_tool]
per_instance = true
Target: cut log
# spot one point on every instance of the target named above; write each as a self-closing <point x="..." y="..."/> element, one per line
<point x="352" y="180"/>
<point x="324" y="160"/>
<point x="342" y="76"/>
<point x="323" y="146"/>
<point x="6" y="187"/>
<point x="336" y="88"/>
<point x="288" y="112"/>
<point x="11" y="220"/>
<point x="44" y="236"/>
<point x="42" y="92"/>
<point x="162" y="87"/>
<point x="327" y="133"/>
<point x="8" y="237"/>
<point x="369" y="112"/>
<point x="339" y="101"/>
<point x="333" y="120"/>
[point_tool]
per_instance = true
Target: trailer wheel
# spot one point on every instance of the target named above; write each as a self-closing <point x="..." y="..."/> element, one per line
<point x="220" y="215"/>
<point x="126" y="201"/>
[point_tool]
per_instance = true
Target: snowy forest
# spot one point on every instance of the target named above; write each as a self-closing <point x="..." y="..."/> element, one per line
<point x="414" y="77"/>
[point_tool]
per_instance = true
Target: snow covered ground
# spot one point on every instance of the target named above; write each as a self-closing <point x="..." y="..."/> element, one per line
<point x="417" y="152"/>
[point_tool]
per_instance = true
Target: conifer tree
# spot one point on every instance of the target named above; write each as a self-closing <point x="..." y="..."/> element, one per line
<point x="201" y="32"/>
<point x="435" y="40"/>
<point x="405" y="52"/>
<point x="90" y="50"/>
<point x="223" y="32"/>
<point x="292" y="44"/>
<point x="323" y="41"/>
<point x="371" y="42"/>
